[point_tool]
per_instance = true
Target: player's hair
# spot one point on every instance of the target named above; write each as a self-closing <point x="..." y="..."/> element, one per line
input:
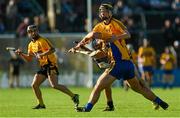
<point x="32" y="28"/>
<point x="106" y="6"/>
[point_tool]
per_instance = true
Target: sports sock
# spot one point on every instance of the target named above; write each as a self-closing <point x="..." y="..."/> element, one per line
<point x="41" y="103"/>
<point x="88" y="106"/>
<point x="110" y="104"/>
<point x="157" y="100"/>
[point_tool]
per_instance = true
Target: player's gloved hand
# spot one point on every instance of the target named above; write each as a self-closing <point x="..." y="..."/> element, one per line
<point x="72" y="50"/>
<point x="79" y="45"/>
<point x="38" y="55"/>
<point x="18" y="51"/>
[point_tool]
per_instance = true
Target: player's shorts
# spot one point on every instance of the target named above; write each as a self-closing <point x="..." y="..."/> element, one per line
<point x="148" y="69"/>
<point x="16" y="72"/>
<point x="168" y="72"/>
<point x="123" y="69"/>
<point x="48" y="70"/>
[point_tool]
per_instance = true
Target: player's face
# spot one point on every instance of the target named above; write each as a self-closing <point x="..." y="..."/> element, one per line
<point x="98" y="44"/>
<point x="32" y="34"/>
<point x="104" y="14"/>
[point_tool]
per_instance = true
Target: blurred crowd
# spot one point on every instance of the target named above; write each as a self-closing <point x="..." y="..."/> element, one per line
<point x="72" y="15"/>
<point x="15" y="15"/>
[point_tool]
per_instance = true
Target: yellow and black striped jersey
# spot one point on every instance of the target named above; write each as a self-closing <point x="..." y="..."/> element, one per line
<point x="39" y="46"/>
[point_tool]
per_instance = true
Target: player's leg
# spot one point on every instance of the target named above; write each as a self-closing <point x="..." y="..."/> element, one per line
<point x="54" y="84"/>
<point x="146" y="92"/>
<point x="145" y="75"/>
<point x="53" y="79"/>
<point x="11" y="80"/>
<point x="149" y="75"/>
<point x="37" y="81"/>
<point x="17" y="80"/>
<point x="126" y="86"/>
<point x="165" y="78"/>
<point x="136" y="86"/>
<point x="105" y="80"/>
<point x="108" y="94"/>
<point x="170" y="80"/>
<point x="146" y="78"/>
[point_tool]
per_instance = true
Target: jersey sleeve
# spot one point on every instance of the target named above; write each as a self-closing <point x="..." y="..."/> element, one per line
<point x="162" y="58"/>
<point x="140" y="52"/>
<point x="122" y="25"/>
<point x="97" y="28"/>
<point x="30" y="52"/>
<point x="153" y="52"/>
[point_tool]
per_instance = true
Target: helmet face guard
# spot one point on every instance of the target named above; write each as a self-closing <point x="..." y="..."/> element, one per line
<point x="96" y="44"/>
<point x="32" y="31"/>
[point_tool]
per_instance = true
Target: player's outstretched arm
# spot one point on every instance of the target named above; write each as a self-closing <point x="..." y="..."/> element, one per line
<point x="125" y="35"/>
<point x="87" y="39"/>
<point x="26" y="57"/>
<point x="48" y="52"/>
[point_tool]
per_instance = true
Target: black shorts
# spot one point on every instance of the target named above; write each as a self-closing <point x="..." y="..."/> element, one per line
<point x="15" y="73"/>
<point x="48" y="70"/>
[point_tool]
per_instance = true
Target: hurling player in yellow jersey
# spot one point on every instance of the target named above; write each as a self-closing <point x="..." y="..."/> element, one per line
<point x="43" y="50"/>
<point x="114" y="32"/>
<point x="146" y="55"/>
<point x="167" y="61"/>
<point x="104" y="61"/>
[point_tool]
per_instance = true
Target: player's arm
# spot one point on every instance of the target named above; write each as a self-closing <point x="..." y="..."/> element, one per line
<point x="27" y="57"/>
<point x="48" y="52"/>
<point x="83" y="47"/>
<point x="47" y="46"/>
<point x="87" y="39"/>
<point x="124" y="35"/>
<point x="162" y="59"/>
<point x="140" y="52"/>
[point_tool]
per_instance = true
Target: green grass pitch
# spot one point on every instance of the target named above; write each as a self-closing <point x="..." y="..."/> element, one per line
<point x="18" y="103"/>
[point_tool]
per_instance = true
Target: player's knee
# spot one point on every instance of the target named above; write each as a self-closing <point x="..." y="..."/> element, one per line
<point x="54" y="86"/>
<point x="36" y="76"/>
<point x="98" y="87"/>
<point x="33" y="85"/>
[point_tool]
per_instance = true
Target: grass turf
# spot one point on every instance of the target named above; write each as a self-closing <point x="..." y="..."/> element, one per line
<point x="18" y="103"/>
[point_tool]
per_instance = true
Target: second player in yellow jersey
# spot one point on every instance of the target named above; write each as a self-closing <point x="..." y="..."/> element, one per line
<point x="43" y="50"/>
